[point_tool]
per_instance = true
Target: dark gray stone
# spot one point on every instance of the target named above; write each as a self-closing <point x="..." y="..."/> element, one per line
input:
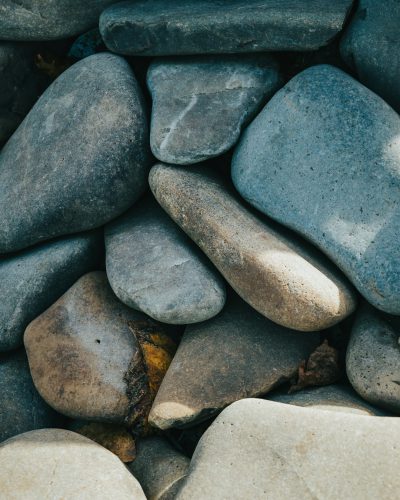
<point x="371" y="46"/>
<point x="154" y="267"/>
<point x="21" y="407"/>
<point x="79" y="158"/>
<point x="236" y="355"/>
<point x="26" y="20"/>
<point x="373" y="360"/>
<point x="201" y="104"/>
<point x="323" y="157"/>
<point x="35" y="278"/>
<point x="157" y="27"/>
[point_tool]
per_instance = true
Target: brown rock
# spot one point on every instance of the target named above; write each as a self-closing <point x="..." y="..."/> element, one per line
<point x="282" y="277"/>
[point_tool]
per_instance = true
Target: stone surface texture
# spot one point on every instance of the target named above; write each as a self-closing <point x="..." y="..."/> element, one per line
<point x="79" y="158"/>
<point x="177" y="27"/>
<point x="323" y="158"/>
<point x="201" y="104"/>
<point x="279" y="276"/>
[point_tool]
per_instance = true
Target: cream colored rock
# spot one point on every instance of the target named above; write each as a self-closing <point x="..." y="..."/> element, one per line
<point x="62" y="465"/>
<point x="278" y="275"/>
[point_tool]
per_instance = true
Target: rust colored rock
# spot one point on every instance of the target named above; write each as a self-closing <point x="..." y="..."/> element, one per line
<point x="280" y="276"/>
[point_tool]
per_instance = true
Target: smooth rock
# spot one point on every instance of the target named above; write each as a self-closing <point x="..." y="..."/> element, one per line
<point x="60" y="464"/>
<point x="28" y="20"/>
<point x="236" y="355"/>
<point x="79" y="158"/>
<point x="260" y="449"/>
<point x="153" y="266"/>
<point x="82" y="353"/>
<point x="279" y="276"/>
<point x="201" y="104"/>
<point x="20" y="86"/>
<point x="32" y="280"/>
<point x="373" y="360"/>
<point x="21" y="407"/>
<point x="159" y="468"/>
<point x="323" y="158"/>
<point x="156" y="27"/>
<point x="331" y="397"/>
<point x="371" y="47"/>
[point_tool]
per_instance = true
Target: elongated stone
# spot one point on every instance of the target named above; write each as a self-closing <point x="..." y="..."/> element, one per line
<point x="282" y="278"/>
<point x="177" y="27"/>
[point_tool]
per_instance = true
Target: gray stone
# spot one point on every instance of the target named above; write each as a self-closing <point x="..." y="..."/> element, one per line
<point x="32" y="280"/>
<point x="21" y="407"/>
<point x="159" y="468"/>
<point x="79" y="158"/>
<point x="371" y="46"/>
<point x="281" y="277"/>
<point x="156" y="27"/>
<point x="48" y="19"/>
<point x="201" y="104"/>
<point x="323" y="157"/>
<point x="60" y="464"/>
<point x="82" y="353"/>
<point x="20" y="86"/>
<point x="260" y="449"/>
<point x="373" y="360"/>
<point x="154" y="267"/>
<point x="238" y="354"/>
<point x="331" y="397"/>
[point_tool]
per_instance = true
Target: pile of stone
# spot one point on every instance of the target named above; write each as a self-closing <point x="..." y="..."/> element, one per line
<point x="199" y="258"/>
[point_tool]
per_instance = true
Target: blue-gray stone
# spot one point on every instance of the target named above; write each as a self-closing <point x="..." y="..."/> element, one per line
<point x="371" y="46"/>
<point x="27" y="20"/>
<point x="32" y="280"/>
<point x="157" y="27"/>
<point x="21" y="407"/>
<point x="200" y="104"/>
<point x="80" y="157"/>
<point x="87" y="45"/>
<point x="154" y="267"/>
<point x="323" y="157"/>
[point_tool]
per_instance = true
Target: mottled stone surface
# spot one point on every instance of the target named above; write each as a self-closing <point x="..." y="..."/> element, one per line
<point x="21" y="407"/>
<point x="236" y="355"/>
<point x="55" y="463"/>
<point x="32" y="280"/>
<point x="48" y="19"/>
<point x="323" y="158"/>
<point x="20" y="86"/>
<point x="81" y="351"/>
<point x="177" y="27"/>
<point x="200" y="104"/>
<point x="159" y="468"/>
<point x="260" y="449"/>
<point x="281" y="277"/>
<point x="154" y="267"/>
<point x="79" y="158"/>
<point x="371" y="46"/>
<point x="340" y="398"/>
<point x="373" y="359"/>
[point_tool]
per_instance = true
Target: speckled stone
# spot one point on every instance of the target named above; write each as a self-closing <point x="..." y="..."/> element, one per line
<point x="156" y="27"/>
<point x="21" y="407"/>
<point x="235" y="355"/>
<point x="79" y="158"/>
<point x="323" y="158"/>
<point x="373" y="359"/>
<point x="260" y="449"/>
<point x="32" y="280"/>
<point x="28" y="20"/>
<point x="154" y="267"/>
<point x="281" y="277"/>
<point x="371" y="47"/>
<point x="60" y="464"/>
<point x="200" y="104"/>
